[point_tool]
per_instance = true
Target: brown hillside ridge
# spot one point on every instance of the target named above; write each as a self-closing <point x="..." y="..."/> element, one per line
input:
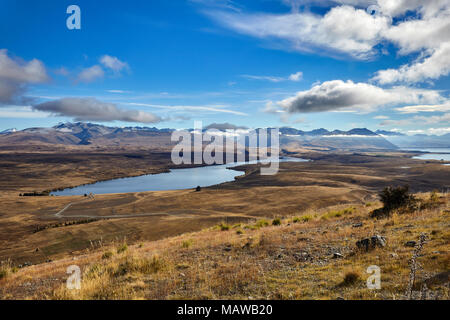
<point x="312" y="256"/>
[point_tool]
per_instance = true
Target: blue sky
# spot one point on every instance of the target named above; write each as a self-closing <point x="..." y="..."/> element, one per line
<point x="305" y="64"/>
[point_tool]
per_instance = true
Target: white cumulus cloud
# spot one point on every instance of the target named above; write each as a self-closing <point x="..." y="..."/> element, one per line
<point x="337" y="94"/>
<point x="16" y="75"/>
<point x="113" y="63"/>
<point x="91" y="74"/>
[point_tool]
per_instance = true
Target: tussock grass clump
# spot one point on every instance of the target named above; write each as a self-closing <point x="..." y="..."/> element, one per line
<point x="234" y="279"/>
<point x="122" y="248"/>
<point x="304" y="218"/>
<point x="262" y="223"/>
<point x="276" y="222"/>
<point x="434" y="197"/>
<point x="433" y="201"/>
<point x="139" y="265"/>
<point x="187" y="243"/>
<point x="111" y="280"/>
<point x="94" y="271"/>
<point x="224" y="227"/>
<point x="6" y="268"/>
<point x="350" y="278"/>
<point x="338" y="213"/>
<point x="3" y="273"/>
<point x="107" y="255"/>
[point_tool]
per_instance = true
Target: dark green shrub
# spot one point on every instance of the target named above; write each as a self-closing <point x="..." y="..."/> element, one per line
<point x="350" y="278"/>
<point x="395" y="198"/>
<point x="276" y="222"/>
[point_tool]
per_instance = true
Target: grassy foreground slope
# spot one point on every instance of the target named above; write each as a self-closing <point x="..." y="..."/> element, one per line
<point x="313" y="256"/>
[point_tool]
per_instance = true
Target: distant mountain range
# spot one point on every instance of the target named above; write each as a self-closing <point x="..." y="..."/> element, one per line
<point x="325" y="132"/>
<point x="80" y="133"/>
<point x="86" y="134"/>
<point x="420" y="141"/>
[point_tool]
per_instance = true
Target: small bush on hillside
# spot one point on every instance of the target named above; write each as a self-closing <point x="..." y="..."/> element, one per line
<point x="276" y="222"/>
<point x="350" y="278"/>
<point x="398" y="199"/>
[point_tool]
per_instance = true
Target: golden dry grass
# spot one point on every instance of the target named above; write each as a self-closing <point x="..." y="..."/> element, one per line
<point x="290" y="261"/>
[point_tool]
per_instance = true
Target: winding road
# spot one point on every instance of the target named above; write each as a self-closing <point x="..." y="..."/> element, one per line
<point x="60" y="212"/>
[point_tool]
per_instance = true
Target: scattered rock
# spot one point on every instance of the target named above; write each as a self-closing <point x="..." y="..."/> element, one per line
<point x="247" y="245"/>
<point x="302" y="256"/>
<point x="410" y="243"/>
<point x="371" y="243"/>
